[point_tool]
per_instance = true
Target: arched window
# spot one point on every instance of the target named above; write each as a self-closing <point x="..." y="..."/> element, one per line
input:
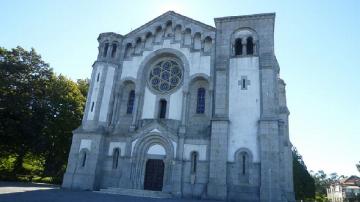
<point x="249" y="46"/>
<point x="200" y="107"/>
<point x="162" y="112"/>
<point x="106" y="47"/>
<point x="113" y="51"/>
<point x="238" y="46"/>
<point x="194" y="159"/>
<point x="116" y="155"/>
<point x="83" y="161"/>
<point x="243" y="164"/>
<point x="130" y="104"/>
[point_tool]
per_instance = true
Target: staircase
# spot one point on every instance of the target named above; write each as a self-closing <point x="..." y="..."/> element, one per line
<point x="135" y="192"/>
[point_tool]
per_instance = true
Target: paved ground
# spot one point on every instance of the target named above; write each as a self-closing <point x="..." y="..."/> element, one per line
<point x="29" y="192"/>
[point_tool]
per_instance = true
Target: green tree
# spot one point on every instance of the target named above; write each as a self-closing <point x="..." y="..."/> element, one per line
<point x="64" y="112"/>
<point x="304" y="185"/>
<point x="23" y="79"/>
<point x="358" y="166"/>
<point x="83" y="85"/>
<point x="38" y="111"/>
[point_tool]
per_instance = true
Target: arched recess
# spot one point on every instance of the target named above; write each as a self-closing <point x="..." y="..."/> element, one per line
<point x="178" y="33"/>
<point x="149" y="40"/>
<point x="199" y="121"/>
<point x="128" y="51"/>
<point x="142" y="74"/>
<point x="158" y="34"/>
<point x="105" y="49"/>
<point x="197" y="41"/>
<point x="140" y="157"/>
<point x="207" y="44"/>
<point x="138" y="46"/>
<point x="122" y="116"/>
<point x="241" y="35"/>
<point x="114" y="49"/>
<point x="187" y="37"/>
<point x="169" y="29"/>
<point x="243" y="165"/>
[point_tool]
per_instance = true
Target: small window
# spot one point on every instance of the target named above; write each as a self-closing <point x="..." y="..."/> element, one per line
<point x="243" y="84"/>
<point x="249" y="46"/>
<point x="92" y="106"/>
<point x="194" y="159"/>
<point x="83" y="162"/>
<point x="130" y="104"/>
<point x="243" y="164"/>
<point x="200" y="107"/>
<point x="238" y="47"/>
<point x="105" y="49"/>
<point x="116" y="158"/>
<point x="98" y="77"/>
<point x="162" y="113"/>
<point x="113" y="51"/>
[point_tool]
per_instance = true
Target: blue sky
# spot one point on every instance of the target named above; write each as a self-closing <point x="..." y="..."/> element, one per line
<point x="316" y="42"/>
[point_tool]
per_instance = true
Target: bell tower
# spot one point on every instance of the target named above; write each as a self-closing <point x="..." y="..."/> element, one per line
<point x="98" y="106"/>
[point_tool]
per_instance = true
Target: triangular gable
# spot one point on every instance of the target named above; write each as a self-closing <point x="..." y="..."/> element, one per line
<point x="154" y="127"/>
<point x="170" y="15"/>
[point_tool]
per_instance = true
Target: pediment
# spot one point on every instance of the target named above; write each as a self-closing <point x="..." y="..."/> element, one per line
<point x="175" y="19"/>
<point x="155" y="127"/>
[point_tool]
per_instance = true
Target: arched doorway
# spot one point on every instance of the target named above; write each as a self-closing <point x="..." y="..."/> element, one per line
<point x="154" y="168"/>
<point x="154" y="174"/>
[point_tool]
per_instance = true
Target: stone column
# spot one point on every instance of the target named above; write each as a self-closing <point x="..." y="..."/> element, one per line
<point x="244" y="48"/>
<point x="184" y="107"/>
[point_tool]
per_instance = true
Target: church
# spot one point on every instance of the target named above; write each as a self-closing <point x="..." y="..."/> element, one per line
<point x="180" y="107"/>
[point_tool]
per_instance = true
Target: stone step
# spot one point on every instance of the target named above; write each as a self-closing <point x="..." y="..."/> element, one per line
<point x="135" y="192"/>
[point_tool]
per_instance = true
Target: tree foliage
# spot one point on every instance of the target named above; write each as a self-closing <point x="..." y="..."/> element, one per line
<point x="304" y="185"/>
<point x="358" y="166"/>
<point x="38" y="111"/>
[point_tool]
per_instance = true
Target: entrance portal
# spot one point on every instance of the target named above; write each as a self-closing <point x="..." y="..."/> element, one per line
<point x="154" y="175"/>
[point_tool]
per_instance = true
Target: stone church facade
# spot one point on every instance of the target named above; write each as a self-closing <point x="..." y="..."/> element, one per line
<point x="185" y="108"/>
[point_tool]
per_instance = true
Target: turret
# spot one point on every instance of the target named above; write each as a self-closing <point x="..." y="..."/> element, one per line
<point x="98" y="103"/>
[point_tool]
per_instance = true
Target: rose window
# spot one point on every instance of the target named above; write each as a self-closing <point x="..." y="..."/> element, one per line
<point x="165" y="76"/>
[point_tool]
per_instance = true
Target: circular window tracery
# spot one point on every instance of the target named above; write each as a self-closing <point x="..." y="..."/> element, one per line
<point x="165" y="75"/>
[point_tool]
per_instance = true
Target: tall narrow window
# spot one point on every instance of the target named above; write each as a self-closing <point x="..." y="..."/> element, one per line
<point x="162" y="106"/>
<point x="238" y="47"/>
<point x="130" y="104"/>
<point x="243" y="164"/>
<point x="194" y="159"/>
<point x="200" y="107"/>
<point x="98" y="77"/>
<point x="105" y="49"/>
<point x="83" y="162"/>
<point x="113" y="51"/>
<point x="92" y="106"/>
<point x="249" y="46"/>
<point x="116" y="158"/>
